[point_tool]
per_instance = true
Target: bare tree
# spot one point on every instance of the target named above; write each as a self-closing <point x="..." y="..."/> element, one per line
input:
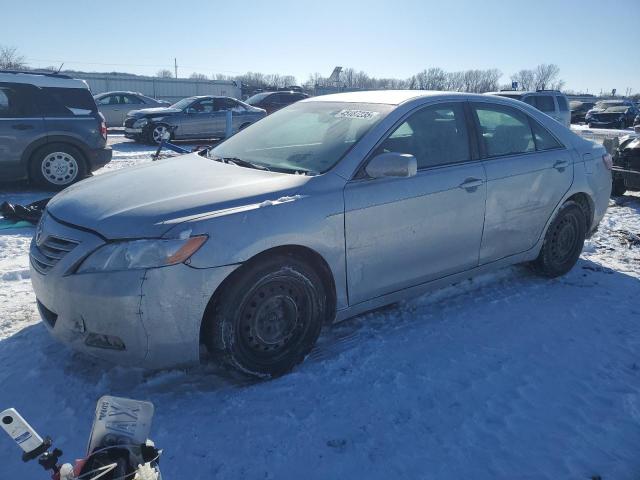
<point x="164" y="73"/>
<point x="546" y="76"/>
<point x="198" y="76"/>
<point x="526" y="79"/>
<point x="10" y="59"/>
<point x="543" y="76"/>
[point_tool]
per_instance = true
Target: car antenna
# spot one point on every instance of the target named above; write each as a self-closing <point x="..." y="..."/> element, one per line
<point x="60" y="67"/>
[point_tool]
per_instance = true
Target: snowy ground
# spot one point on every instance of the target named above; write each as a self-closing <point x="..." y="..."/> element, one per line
<point x="508" y="376"/>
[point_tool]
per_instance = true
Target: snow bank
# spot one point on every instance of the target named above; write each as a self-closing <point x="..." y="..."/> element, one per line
<point x="505" y="376"/>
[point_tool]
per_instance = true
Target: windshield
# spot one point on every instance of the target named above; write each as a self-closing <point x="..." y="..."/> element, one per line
<point x="306" y="137"/>
<point x="617" y="109"/>
<point x="256" y="98"/>
<point x="184" y="103"/>
<point x="609" y="104"/>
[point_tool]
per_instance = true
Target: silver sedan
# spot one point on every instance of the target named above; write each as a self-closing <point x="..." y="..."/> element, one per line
<point x="114" y="106"/>
<point x="326" y="209"/>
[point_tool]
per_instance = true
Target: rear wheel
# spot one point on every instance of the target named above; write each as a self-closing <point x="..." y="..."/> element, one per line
<point x="268" y="318"/>
<point x="57" y="166"/>
<point x="563" y="242"/>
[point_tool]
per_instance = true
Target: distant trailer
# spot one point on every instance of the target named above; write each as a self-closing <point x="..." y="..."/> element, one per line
<point x="170" y="89"/>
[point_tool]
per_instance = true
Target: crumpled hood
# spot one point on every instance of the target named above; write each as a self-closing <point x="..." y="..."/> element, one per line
<point x="143" y="112"/>
<point x="148" y="200"/>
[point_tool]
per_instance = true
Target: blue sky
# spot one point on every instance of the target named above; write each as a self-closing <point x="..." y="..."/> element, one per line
<point x="595" y="43"/>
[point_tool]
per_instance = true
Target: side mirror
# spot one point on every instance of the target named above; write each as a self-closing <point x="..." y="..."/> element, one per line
<point x="392" y="164"/>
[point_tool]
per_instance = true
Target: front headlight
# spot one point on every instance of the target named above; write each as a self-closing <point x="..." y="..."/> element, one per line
<point x="141" y="254"/>
<point x="140" y="123"/>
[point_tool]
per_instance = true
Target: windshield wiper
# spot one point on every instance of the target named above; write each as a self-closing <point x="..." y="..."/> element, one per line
<point x="239" y="162"/>
<point x="244" y="163"/>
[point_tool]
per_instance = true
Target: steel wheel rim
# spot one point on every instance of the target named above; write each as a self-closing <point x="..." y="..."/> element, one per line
<point x="158" y="132"/>
<point x="565" y="239"/>
<point x="59" y="168"/>
<point x="273" y="318"/>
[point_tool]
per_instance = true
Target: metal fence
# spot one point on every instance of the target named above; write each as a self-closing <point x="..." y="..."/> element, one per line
<point x="170" y="89"/>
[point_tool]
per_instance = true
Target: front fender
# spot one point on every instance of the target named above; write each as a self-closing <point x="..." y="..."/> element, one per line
<point x="313" y="218"/>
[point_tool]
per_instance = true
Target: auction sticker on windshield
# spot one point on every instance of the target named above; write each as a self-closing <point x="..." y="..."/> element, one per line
<point x="362" y="114"/>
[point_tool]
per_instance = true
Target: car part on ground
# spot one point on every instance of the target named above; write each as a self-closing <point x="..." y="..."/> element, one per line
<point x="203" y="117"/>
<point x="118" y="448"/>
<point x="30" y="213"/>
<point x="301" y="229"/>
<point x="51" y="132"/>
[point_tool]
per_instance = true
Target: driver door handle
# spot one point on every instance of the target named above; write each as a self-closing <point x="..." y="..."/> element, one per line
<point x="470" y="184"/>
<point x="560" y="165"/>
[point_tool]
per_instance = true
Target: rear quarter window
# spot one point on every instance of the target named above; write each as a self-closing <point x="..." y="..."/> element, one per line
<point x="68" y="101"/>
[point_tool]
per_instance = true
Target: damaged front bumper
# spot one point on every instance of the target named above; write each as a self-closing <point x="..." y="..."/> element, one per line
<point x="147" y="318"/>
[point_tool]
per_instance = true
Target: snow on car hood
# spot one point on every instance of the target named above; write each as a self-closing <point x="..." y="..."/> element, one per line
<point x="146" y="201"/>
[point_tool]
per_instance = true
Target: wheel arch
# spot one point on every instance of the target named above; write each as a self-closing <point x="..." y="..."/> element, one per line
<point x="29" y="154"/>
<point x="587" y="204"/>
<point x="306" y="254"/>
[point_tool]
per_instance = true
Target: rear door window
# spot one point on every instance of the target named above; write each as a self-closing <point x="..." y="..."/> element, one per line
<point x="17" y="100"/>
<point x="504" y="130"/>
<point x="226" y="104"/>
<point x="436" y="135"/>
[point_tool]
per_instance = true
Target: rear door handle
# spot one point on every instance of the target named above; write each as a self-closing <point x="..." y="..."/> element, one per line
<point x="22" y="126"/>
<point x="471" y="184"/>
<point x="560" y="165"/>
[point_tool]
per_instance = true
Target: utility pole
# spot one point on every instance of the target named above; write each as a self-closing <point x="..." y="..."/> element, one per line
<point x="175" y="66"/>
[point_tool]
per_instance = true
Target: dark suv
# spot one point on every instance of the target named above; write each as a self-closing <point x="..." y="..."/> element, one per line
<point x="50" y="130"/>
<point x="272" y="101"/>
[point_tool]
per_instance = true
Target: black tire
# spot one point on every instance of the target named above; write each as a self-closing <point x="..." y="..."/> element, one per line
<point x="56" y="166"/>
<point x="563" y="242"/>
<point x="268" y="318"/>
<point x="152" y="133"/>
<point x="618" y="188"/>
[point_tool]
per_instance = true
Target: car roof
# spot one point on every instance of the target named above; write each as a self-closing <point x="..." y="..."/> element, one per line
<point x="42" y="79"/>
<point x="389" y="97"/>
<point x="119" y="92"/>
<point x="525" y="92"/>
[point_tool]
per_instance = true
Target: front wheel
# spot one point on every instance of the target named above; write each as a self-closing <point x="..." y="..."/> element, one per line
<point x="269" y="317"/>
<point x="563" y="242"/>
<point x="156" y="133"/>
<point x="57" y="166"/>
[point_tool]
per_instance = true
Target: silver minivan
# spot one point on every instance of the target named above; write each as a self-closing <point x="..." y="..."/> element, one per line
<point x="552" y="102"/>
<point x="328" y="208"/>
